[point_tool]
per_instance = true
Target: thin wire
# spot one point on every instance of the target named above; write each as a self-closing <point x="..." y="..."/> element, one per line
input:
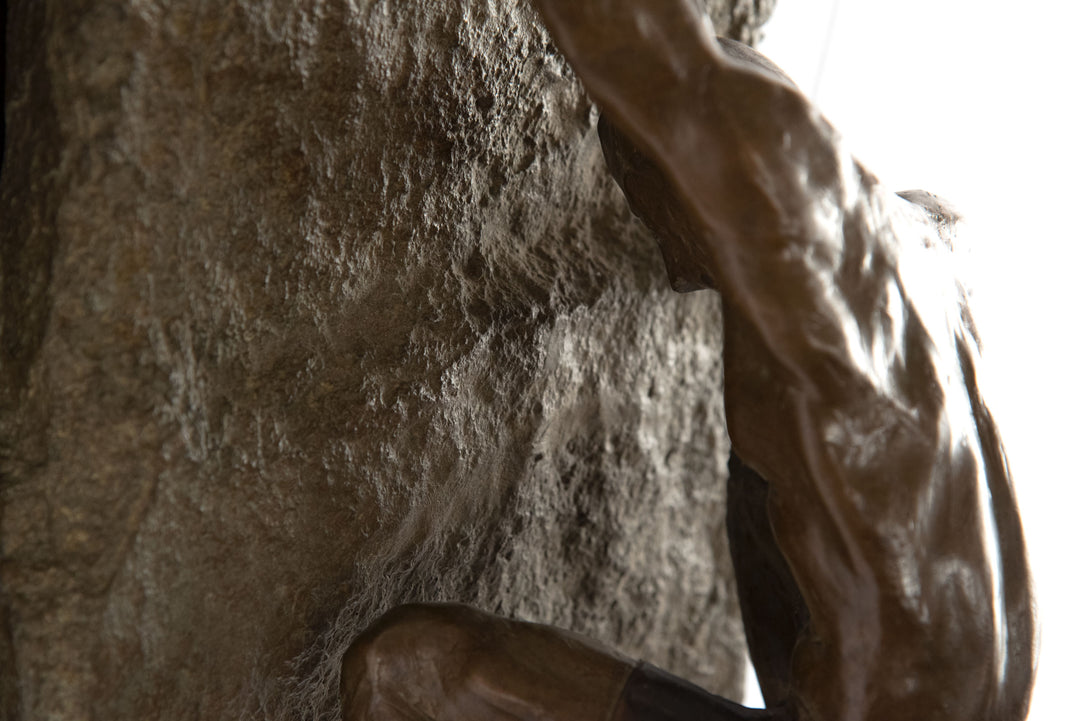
<point x="825" y="49"/>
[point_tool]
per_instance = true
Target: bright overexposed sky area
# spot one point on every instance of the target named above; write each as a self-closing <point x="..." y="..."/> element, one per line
<point x="977" y="101"/>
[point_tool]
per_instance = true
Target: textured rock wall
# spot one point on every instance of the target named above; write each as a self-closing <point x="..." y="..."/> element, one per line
<point x="312" y="308"/>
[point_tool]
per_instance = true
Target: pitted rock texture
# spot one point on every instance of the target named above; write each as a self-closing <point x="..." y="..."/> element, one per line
<point x="313" y="308"/>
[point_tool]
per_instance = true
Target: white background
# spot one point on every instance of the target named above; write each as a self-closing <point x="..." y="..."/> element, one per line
<point x="977" y="102"/>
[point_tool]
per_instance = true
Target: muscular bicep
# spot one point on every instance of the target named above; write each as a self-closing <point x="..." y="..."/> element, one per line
<point x="786" y="223"/>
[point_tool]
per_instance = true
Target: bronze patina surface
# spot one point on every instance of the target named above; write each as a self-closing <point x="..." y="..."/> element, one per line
<point x="878" y="549"/>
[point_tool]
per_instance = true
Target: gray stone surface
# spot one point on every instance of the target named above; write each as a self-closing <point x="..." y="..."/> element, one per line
<point x="312" y="308"/>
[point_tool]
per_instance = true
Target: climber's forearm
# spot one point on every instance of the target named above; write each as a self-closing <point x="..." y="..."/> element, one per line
<point x="455" y="663"/>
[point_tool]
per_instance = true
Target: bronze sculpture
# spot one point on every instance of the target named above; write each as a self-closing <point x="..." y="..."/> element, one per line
<point x="878" y="550"/>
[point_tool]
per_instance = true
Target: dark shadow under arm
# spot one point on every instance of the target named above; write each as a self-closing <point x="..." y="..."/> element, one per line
<point x="652" y="694"/>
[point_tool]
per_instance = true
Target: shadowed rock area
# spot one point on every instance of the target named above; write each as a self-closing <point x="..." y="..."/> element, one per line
<point x="314" y="308"/>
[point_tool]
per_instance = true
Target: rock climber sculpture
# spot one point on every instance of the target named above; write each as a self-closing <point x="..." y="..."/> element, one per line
<point x="878" y="551"/>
